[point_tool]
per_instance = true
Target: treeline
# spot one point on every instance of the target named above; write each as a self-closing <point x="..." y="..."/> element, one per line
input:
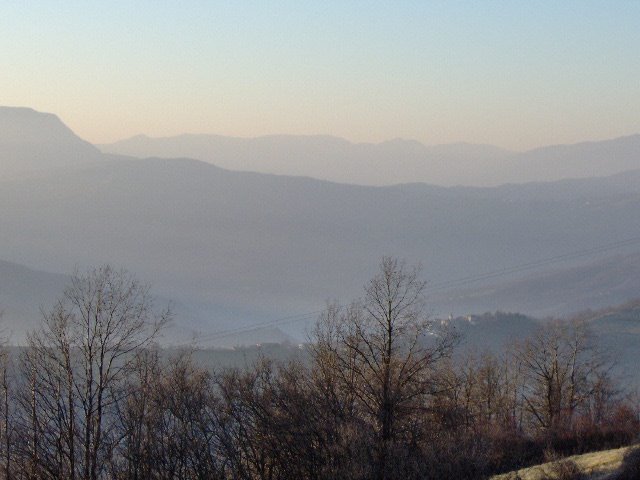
<point x="385" y="395"/>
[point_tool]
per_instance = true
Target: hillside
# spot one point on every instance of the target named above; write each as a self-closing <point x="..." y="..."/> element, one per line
<point x="239" y="248"/>
<point x="23" y="292"/>
<point x="555" y="289"/>
<point x="616" y="331"/>
<point x="32" y="142"/>
<point x="392" y="162"/>
<point x="326" y="157"/>
<point x="264" y="242"/>
<point x="595" y="466"/>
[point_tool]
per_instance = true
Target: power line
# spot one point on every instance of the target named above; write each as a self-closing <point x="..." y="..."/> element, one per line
<point x="450" y="284"/>
<point x="257" y="326"/>
<point x="534" y="264"/>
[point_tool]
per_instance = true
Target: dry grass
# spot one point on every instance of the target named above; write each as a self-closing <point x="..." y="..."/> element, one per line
<point x="597" y="465"/>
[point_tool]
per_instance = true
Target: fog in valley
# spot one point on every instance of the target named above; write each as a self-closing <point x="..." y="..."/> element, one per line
<point x="293" y="242"/>
<point x="237" y="249"/>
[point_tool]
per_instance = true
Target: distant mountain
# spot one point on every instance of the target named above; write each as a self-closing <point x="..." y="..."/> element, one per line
<point x="582" y="160"/>
<point x="236" y="248"/>
<point x="618" y="332"/>
<point x="272" y="245"/>
<point x="392" y="162"/>
<point x="32" y="142"/>
<point x="257" y="336"/>
<point x="556" y="290"/>
<point x="328" y="158"/>
<point x="23" y="292"/>
<point x="492" y="330"/>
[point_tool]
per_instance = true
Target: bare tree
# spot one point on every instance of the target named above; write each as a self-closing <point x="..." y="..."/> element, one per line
<point x="49" y="400"/>
<point x="77" y="364"/>
<point x="562" y="368"/>
<point x="382" y="351"/>
<point x="167" y="422"/>
<point x="7" y="409"/>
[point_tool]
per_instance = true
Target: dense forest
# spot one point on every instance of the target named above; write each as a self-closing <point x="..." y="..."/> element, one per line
<point x="386" y="393"/>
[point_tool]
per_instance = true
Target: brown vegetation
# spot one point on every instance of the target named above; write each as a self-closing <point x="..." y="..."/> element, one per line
<point x="382" y="397"/>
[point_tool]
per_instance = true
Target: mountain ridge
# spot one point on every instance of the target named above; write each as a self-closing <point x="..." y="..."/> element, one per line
<point x="392" y="161"/>
<point x="32" y="141"/>
<point x="236" y="247"/>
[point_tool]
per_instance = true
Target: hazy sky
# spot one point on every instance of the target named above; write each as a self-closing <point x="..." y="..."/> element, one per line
<point x="516" y="74"/>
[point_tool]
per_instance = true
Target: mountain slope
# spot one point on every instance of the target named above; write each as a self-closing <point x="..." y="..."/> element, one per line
<point x="326" y="158"/>
<point x="616" y="333"/>
<point x="397" y="161"/>
<point x="285" y="245"/>
<point x="32" y="142"/>
<point x="582" y="160"/>
<point x="23" y="292"/>
<point x="554" y="290"/>
<point x="237" y="248"/>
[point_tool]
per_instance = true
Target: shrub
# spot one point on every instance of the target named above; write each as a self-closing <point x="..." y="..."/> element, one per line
<point x="565" y="470"/>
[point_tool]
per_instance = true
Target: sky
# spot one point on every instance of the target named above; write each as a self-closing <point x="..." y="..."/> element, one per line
<point x="509" y="73"/>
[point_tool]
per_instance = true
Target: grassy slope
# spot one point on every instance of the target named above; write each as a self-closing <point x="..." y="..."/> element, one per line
<point x="597" y="464"/>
